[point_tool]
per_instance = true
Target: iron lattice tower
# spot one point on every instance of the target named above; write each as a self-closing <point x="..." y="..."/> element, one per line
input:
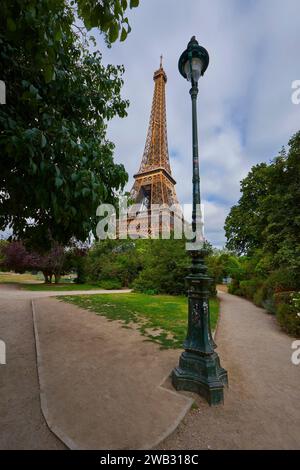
<point x="154" y="183"/>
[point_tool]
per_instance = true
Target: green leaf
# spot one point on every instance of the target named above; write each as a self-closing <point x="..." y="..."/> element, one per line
<point x="11" y="25"/>
<point x="49" y="73"/>
<point x="33" y="166"/>
<point x="134" y="3"/>
<point x="30" y="134"/>
<point x="43" y="141"/>
<point x="123" y="34"/>
<point x="58" y="35"/>
<point x="33" y="90"/>
<point x="85" y="191"/>
<point x="58" y="182"/>
<point x="113" y="32"/>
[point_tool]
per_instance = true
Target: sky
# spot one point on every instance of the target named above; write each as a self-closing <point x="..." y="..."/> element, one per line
<point x="245" y="111"/>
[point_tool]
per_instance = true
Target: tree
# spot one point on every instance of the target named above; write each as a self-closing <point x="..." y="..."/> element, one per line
<point x="15" y="257"/>
<point x="116" y="261"/>
<point x="108" y="16"/>
<point x="56" y="163"/>
<point x="165" y="266"/>
<point x="52" y="263"/>
<point x="3" y="244"/>
<point x="267" y="215"/>
<point x="265" y="225"/>
<point x="246" y="221"/>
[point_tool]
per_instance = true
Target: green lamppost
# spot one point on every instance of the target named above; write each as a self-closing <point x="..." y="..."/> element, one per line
<point x="199" y="367"/>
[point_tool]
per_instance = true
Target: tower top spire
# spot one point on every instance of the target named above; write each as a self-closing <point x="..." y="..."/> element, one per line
<point x="156" y="153"/>
<point x="161" y="59"/>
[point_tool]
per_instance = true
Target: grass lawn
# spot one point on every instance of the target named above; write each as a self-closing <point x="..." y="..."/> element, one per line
<point x="60" y="286"/>
<point x="160" y="318"/>
<point x="8" y="277"/>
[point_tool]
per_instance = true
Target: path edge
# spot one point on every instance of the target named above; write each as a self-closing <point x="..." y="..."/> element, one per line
<point x="69" y="443"/>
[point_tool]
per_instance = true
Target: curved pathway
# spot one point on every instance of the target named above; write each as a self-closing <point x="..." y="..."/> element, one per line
<point x="22" y="423"/>
<point x="262" y="406"/>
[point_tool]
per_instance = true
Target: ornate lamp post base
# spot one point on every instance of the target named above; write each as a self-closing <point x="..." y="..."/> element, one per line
<point x="199" y="365"/>
<point x="202" y="375"/>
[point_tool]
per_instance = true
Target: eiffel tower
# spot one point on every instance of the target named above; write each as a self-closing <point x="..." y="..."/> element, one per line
<point x="154" y="183"/>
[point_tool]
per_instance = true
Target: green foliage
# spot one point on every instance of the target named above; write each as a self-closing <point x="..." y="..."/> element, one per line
<point x="244" y="225"/>
<point x="110" y="284"/>
<point x="248" y="288"/>
<point x="108" y="16"/>
<point x="223" y="265"/>
<point x="234" y="287"/>
<point x="289" y="319"/>
<point x="162" y="319"/>
<point x="165" y="266"/>
<point x="149" y="266"/>
<point x="3" y="245"/>
<point x="56" y="163"/>
<point x="265" y="225"/>
<point x="113" y="260"/>
<point x="267" y="216"/>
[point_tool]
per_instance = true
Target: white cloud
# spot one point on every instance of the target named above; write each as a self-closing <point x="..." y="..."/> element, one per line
<point x="245" y="111"/>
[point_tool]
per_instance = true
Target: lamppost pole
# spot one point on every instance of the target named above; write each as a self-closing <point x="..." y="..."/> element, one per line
<point x="199" y="367"/>
<point x="196" y="176"/>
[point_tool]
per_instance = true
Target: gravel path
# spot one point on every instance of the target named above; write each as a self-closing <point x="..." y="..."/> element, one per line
<point x="262" y="406"/>
<point x="21" y="421"/>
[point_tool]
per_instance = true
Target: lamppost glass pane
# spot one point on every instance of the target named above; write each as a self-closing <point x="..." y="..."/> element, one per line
<point x="197" y="66"/>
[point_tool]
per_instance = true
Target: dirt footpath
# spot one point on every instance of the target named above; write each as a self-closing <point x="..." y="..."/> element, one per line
<point x="262" y="406"/>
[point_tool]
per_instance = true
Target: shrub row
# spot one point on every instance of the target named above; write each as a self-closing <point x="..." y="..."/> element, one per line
<point x="276" y="294"/>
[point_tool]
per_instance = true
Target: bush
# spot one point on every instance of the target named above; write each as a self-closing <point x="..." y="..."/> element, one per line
<point x="288" y="318"/>
<point x="116" y="260"/>
<point x="165" y="267"/>
<point x="109" y="284"/>
<point x="249" y="287"/>
<point x="234" y="287"/>
<point x="150" y="292"/>
<point x="283" y="280"/>
<point x="258" y="297"/>
<point x="264" y="297"/>
<point x="277" y="286"/>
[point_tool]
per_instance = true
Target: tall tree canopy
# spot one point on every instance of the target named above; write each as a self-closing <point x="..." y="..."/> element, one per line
<point x="56" y="163"/>
<point x="267" y="215"/>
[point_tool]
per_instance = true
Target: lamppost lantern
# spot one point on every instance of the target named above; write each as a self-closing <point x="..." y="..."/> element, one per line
<point x="194" y="61"/>
<point x="199" y="368"/>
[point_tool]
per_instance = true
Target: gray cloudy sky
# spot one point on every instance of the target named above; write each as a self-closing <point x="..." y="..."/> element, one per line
<point x="245" y="110"/>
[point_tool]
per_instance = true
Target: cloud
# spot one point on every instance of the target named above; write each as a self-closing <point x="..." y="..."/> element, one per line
<point x="245" y="113"/>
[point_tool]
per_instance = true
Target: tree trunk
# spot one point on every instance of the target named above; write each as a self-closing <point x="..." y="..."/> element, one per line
<point x="47" y="278"/>
<point x="57" y="278"/>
